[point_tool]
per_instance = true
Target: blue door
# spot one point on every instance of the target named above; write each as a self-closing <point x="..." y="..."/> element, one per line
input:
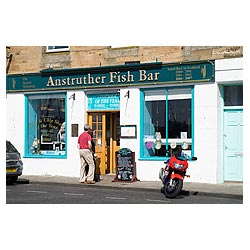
<point x="233" y="145"/>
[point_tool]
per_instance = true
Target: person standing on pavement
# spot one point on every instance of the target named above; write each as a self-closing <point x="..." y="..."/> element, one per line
<point x="86" y="157"/>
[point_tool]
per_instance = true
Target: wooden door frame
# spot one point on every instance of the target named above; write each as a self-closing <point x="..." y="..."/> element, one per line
<point x="102" y="157"/>
<point x="115" y="148"/>
<point x="112" y="147"/>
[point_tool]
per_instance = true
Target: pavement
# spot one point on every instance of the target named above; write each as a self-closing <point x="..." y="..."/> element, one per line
<point x="226" y="189"/>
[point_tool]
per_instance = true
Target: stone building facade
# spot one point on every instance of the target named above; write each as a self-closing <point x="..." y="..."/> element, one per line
<point x="35" y="58"/>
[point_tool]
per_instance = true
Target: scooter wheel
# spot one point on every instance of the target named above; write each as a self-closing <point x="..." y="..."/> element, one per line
<point x="172" y="190"/>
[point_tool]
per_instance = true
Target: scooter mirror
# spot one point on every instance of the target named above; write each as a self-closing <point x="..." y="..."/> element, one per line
<point x="194" y="158"/>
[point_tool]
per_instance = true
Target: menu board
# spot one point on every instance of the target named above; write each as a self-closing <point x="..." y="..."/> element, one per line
<point x="125" y="165"/>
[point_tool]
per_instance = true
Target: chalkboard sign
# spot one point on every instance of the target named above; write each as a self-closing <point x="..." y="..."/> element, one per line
<point x="125" y="165"/>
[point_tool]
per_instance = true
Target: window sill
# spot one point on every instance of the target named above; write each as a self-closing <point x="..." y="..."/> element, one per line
<point x="46" y="156"/>
<point x="153" y="158"/>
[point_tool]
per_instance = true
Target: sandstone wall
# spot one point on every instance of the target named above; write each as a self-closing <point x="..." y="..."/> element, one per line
<point x="34" y="58"/>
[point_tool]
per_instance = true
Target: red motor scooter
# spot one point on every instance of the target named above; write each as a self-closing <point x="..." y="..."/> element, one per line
<point x="173" y="174"/>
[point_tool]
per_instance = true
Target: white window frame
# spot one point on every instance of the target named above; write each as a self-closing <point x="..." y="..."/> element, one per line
<point x="179" y="94"/>
<point x="56" y="49"/>
<point x="155" y="95"/>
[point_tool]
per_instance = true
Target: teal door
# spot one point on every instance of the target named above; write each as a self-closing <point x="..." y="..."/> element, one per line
<point x="233" y="145"/>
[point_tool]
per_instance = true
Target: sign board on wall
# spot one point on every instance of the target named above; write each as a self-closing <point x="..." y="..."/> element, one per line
<point x="112" y="76"/>
<point x="104" y="101"/>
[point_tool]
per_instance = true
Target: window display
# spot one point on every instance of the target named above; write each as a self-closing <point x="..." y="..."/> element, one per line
<point x="180" y="120"/>
<point x="46" y="127"/>
<point x="154" y="123"/>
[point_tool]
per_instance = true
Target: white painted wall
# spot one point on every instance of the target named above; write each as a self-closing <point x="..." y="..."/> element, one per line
<point x="15" y="120"/>
<point x="130" y="115"/>
<point x="76" y="113"/>
<point x="205" y="133"/>
<point x="229" y="70"/>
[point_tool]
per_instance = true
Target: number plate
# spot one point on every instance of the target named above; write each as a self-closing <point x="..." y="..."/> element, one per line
<point x="10" y="170"/>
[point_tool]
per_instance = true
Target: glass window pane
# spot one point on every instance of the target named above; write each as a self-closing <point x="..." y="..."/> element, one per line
<point x="154" y="126"/>
<point x="233" y="95"/>
<point x="179" y="118"/>
<point x="94" y="126"/>
<point x="99" y="134"/>
<point x="57" y="48"/>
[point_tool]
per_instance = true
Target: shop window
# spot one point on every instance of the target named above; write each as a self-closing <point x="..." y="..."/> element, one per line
<point x="179" y="120"/>
<point x="57" y="48"/>
<point x="167" y="122"/>
<point x="233" y="95"/>
<point x="154" y="123"/>
<point x="45" y="125"/>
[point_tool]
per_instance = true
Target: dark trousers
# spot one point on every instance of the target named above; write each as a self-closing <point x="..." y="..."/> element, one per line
<point x="96" y="176"/>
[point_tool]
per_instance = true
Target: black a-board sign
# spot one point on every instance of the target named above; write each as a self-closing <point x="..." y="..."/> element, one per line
<point x="125" y="165"/>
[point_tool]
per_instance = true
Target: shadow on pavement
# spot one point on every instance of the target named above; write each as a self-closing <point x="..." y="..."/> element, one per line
<point x="19" y="181"/>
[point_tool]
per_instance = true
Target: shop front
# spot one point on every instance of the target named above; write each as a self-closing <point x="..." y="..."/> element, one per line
<point x="150" y="108"/>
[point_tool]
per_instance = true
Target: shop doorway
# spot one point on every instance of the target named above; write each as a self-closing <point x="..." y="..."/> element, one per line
<point x="106" y="126"/>
<point x="233" y="133"/>
<point x="233" y="145"/>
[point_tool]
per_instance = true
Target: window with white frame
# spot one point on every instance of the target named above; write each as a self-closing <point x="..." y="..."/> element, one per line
<point x="57" y="48"/>
<point x="167" y="122"/>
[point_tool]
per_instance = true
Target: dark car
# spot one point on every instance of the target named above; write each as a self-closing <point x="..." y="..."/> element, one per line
<point x="14" y="164"/>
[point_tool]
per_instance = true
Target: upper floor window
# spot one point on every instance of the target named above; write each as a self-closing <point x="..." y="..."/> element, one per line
<point x="57" y="48"/>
